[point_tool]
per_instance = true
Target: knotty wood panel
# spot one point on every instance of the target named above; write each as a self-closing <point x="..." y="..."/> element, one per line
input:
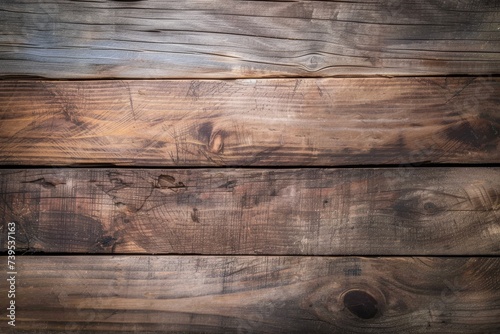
<point x="146" y="294"/>
<point x="251" y="122"/>
<point x="232" y="39"/>
<point x="410" y="211"/>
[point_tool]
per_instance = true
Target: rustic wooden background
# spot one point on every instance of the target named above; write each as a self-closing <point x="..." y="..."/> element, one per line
<point x="251" y="166"/>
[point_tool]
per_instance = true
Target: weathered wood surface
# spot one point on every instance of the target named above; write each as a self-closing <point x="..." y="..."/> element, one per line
<point x="148" y="294"/>
<point x="412" y="211"/>
<point x="280" y="122"/>
<point x="233" y="39"/>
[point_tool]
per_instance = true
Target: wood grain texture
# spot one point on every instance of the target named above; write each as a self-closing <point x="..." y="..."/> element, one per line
<point x="234" y="39"/>
<point x="320" y="122"/>
<point x="151" y="294"/>
<point x="412" y="211"/>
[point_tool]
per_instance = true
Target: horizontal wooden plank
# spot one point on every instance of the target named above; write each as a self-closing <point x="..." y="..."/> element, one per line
<point x="263" y="122"/>
<point x="151" y="294"/>
<point x="234" y="39"/>
<point x="412" y="211"/>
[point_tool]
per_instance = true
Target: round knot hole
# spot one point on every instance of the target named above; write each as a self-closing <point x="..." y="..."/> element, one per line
<point x="361" y="304"/>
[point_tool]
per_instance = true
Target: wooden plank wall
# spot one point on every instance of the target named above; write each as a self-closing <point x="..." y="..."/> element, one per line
<point x="250" y="166"/>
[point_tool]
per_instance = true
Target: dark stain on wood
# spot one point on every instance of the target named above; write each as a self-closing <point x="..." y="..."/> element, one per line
<point x="107" y="241"/>
<point x="478" y="134"/>
<point x="205" y="133"/>
<point x="82" y="233"/>
<point x="408" y="209"/>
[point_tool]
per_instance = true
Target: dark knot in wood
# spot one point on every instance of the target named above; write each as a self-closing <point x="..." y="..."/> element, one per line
<point x="361" y="304"/>
<point x="216" y="144"/>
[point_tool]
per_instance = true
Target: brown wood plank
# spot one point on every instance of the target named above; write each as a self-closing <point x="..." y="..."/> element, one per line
<point x="406" y="211"/>
<point x="151" y="294"/>
<point x="281" y="122"/>
<point x="232" y="39"/>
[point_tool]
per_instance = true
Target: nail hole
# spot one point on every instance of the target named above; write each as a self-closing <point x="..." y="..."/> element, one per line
<point x="361" y="304"/>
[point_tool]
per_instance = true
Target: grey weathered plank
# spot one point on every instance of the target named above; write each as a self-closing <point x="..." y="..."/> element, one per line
<point x="158" y="294"/>
<point x="233" y="39"/>
<point x="323" y="122"/>
<point x="412" y="211"/>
